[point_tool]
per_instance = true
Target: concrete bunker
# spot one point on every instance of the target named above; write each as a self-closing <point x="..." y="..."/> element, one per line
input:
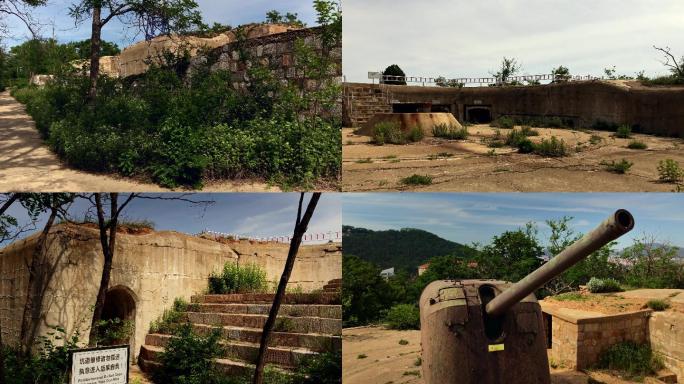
<point x="478" y="114"/>
<point x="120" y="303"/>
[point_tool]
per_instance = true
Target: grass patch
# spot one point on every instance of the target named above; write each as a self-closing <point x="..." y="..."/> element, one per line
<point x="623" y="132"/>
<point x="551" y="147"/>
<point x="595" y="139"/>
<point x="364" y="161"/>
<point x="658" y="305"/>
<point x="450" y="132"/>
<point x="362" y="356"/>
<point x="620" y="167"/>
<point x="636" y="144"/>
<point x="388" y="132"/>
<point x="417" y="180"/>
<point x="170" y="319"/>
<point x="670" y="171"/>
<point x="403" y="342"/>
<point x="634" y="360"/>
<point x="571" y="296"/>
<point x="412" y="373"/>
<point x="234" y="278"/>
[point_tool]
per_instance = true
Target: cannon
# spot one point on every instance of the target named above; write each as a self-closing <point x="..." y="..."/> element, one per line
<point x="489" y="331"/>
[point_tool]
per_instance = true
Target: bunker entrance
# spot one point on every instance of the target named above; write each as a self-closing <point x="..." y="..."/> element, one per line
<point x="547" y="328"/>
<point x="118" y="316"/>
<point x="493" y="325"/>
<point x="478" y="115"/>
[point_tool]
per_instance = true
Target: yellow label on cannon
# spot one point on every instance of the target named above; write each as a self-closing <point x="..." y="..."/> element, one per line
<point x="496" y="347"/>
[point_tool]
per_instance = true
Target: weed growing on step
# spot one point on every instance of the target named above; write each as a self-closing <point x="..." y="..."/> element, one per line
<point x="635" y="360"/>
<point x="169" y="321"/>
<point x="234" y="278"/>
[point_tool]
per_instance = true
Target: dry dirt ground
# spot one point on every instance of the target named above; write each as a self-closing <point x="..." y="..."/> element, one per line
<point x="469" y="165"/>
<point x="28" y="165"/>
<point x="621" y="302"/>
<point x="387" y="361"/>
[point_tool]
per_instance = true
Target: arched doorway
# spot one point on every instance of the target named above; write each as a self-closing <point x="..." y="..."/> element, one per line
<point x="478" y="114"/>
<point x="120" y="303"/>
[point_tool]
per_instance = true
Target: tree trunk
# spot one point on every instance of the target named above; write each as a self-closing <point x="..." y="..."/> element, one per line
<point x="108" y="246"/>
<point x="95" y="46"/>
<point x="300" y="229"/>
<point x="27" y="326"/>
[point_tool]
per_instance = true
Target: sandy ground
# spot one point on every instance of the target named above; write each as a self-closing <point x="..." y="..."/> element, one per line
<point x="469" y="165"/>
<point x="28" y="165"/>
<point x="621" y="302"/>
<point x="388" y="362"/>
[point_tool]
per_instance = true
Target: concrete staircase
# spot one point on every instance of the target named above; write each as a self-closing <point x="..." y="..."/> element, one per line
<point x="308" y="323"/>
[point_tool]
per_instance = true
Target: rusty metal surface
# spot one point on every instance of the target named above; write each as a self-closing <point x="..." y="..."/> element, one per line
<point x="610" y="229"/>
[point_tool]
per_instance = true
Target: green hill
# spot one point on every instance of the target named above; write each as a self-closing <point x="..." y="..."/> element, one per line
<point x="405" y="249"/>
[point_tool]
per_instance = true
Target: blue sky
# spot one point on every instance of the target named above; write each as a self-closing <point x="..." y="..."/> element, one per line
<point x="468" y="218"/>
<point x="232" y="12"/>
<point x="254" y="215"/>
<point x="466" y="38"/>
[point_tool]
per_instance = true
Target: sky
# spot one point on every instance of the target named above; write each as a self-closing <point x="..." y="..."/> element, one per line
<point x="465" y="38"/>
<point x="253" y="215"/>
<point x="468" y="218"/>
<point x="232" y="12"/>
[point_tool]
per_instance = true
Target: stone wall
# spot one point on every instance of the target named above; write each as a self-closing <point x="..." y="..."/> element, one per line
<point x="655" y="110"/>
<point x="155" y="268"/>
<point x="666" y="331"/>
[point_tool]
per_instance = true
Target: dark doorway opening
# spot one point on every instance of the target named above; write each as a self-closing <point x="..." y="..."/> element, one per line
<point x="547" y="328"/>
<point x="120" y="304"/>
<point x="478" y="115"/>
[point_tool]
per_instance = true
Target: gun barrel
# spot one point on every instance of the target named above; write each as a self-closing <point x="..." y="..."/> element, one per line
<point x="613" y="227"/>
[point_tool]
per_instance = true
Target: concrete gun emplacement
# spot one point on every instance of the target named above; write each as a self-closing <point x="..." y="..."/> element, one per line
<point x="489" y="331"/>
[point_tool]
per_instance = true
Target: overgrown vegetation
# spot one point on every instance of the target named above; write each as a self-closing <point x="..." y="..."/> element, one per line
<point x="551" y="147"/>
<point x="670" y="171"/>
<point x="658" y="305"/>
<point x="168" y="322"/>
<point x="634" y="360"/>
<point x="533" y="121"/>
<point x="620" y="167"/>
<point x="182" y="127"/>
<point x="235" y="278"/>
<point x="596" y="285"/>
<point x="388" y="132"/>
<point x="114" y="331"/>
<point x="450" y="132"/>
<point x="403" y="316"/>
<point x="636" y="144"/>
<point x="417" y="180"/>
<point x="623" y="132"/>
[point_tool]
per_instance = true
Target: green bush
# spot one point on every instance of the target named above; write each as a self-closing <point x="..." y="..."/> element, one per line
<point x="636" y="144"/>
<point x="670" y="171"/>
<point x="169" y="321"/>
<point x="236" y="278"/>
<point x="387" y="133"/>
<point x="114" y="331"/>
<point x="552" y="147"/>
<point x="658" y="305"/>
<point x="415" y="134"/>
<point x="620" y="167"/>
<point x="417" y="180"/>
<point x="623" y="132"/>
<point x="596" y="285"/>
<point x="503" y="122"/>
<point x="525" y="146"/>
<point x="403" y="316"/>
<point x="633" y="359"/>
<point x="450" y="132"/>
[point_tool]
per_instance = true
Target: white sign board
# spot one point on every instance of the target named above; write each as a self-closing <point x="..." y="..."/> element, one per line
<point x="107" y="365"/>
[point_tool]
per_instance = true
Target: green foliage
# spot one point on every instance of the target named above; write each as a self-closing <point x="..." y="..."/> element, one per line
<point x="636" y="144"/>
<point x="365" y="294"/>
<point x="551" y="148"/>
<point x="275" y="17"/>
<point x="49" y="366"/>
<point x="670" y="171"/>
<point x="595" y="139"/>
<point x="394" y="70"/>
<point x="525" y="146"/>
<point x="518" y="136"/>
<point x="415" y="134"/>
<point x="561" y="73"/>
<point x="623" y="132"/>
<point x="390" y="133"/>
<point x="114" y="331"/>
<point x="658" y="305"/>
<point x="503" y="122"/>
<point x="620" y="167"/>
<point x="188" y="358"/>
<point x="533" y="121"/>
<point x="417" y="180"/>
<point x="633" y="359"/>
<point x="169" y="321"/>
<point x="234" y="278"/>
<point x="511" y="255"/>
<point x="571" y="296"/>
<point x="450" y="132"/>
<point x="664" y="80"/>
<point x="324" y="368"/>
<point x="606" y="285"/>
<point x="509" y="68"/>
<point x="652" y="265"/>
<point x="451" y="83"/>
<point x="403" y="316"/>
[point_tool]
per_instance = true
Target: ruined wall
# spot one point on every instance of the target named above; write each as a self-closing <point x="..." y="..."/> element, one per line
<point x="656" y="110"/>
<point x="156" y="267"/>
<point x="666" y="331"/>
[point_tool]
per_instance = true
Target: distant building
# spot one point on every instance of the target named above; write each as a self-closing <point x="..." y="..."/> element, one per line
<point x="423" y="268"/>
<point x="387" y="273"/>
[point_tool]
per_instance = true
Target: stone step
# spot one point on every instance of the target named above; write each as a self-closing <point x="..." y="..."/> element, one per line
<point x="289" y="324"/>
<point x="315" y="310"/>
<point x="228" y="367"/>
<point x="335" y="281"/>
<point x="325" y="298"/>
<point x="286" y="357"/>
<point x="312" y="341"/>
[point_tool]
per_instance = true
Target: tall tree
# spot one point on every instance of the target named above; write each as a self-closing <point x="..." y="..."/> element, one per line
<point x="22" y="10"/>
<point x="671" y="62"/>
<point x="151" y="17"/>
<point x="301" y="225"/>
<point x="509" y="68"/>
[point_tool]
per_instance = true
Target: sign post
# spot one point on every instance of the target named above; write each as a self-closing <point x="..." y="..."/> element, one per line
<point x="104" y="365"/>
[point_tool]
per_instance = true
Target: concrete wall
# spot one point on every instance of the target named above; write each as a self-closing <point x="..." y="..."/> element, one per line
<point x="655" y="110"/>
<point x="666" y="331"/>
<point x="156" y="268"/>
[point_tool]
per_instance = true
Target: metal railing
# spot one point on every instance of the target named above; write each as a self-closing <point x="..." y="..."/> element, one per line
<point x="308" y="237"/>
<point x="478" y="80"/>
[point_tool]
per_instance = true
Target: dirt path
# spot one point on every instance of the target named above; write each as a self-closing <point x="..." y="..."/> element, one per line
<point x="28" y="165"/>
<point x="470" y="165"/>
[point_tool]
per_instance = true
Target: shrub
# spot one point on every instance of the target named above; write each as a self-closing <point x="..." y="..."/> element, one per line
<point x="525" y="146"/>
<point x="415" y="134"/>
<point x="528" y="131"/>
<point x="620" y="167"/>
<point x="324" y="368"/>
<point x="114" y="331"/>
<point x="387" y="133"/>
<point x="636" y="144"/>
<point x="236" y="278"/>
<point x="596" y="285"/>
<point x="670" y="171"/>
<point x="595" y="139"/>
<point x="169" y="321"/>
<point x="552" y="147"/>
<point x="634" y="359"/>
<point x="514" y="137"/>
<point x="403" y="316"/>
<point x="658" y="305"/>
<point x="450" y="132"/>
<point x="503" y="122"/>
<point x="623" y="132"/>
<point x="417" y="180"/>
